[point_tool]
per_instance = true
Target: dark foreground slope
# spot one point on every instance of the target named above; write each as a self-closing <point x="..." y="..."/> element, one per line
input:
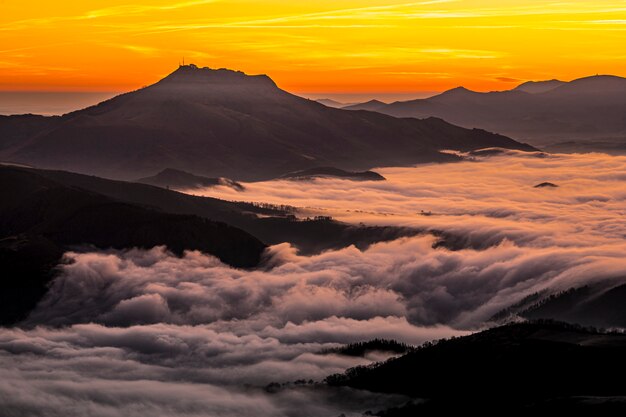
<point x="41" y="218"/>
<point x="222" y="123"/>
<point x="271" y="224"/>
<point x="600" y="305"/>
<point x="507" y="369"/>
<point x="45" y="213"/>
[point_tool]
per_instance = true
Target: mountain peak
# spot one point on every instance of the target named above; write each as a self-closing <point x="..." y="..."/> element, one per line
<point x="223" y="123"/>
<point x="599" y="79"/>
<point x="371" y="105"/>
<point x="458" y="92"/>
<point x="176" y="178"/>
<point x="192" y="74"/>
<point x="594" y="84"/>
<point x="534" y="87"/>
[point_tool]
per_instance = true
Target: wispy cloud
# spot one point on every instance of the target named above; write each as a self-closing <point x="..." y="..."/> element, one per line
<point x="144" y="50"/>
<point x="358" y="17"/>
<point x="125" y="10"/>
<point x="462" y="53"/>
<point x="293" y="42"/>
<point x="139" y="9"/>
<point x="609" y="22"/>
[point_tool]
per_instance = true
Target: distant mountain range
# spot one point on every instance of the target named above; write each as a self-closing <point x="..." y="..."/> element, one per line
<point x="372" y="105"/>
<point x="534" y="87"/>
<point x="333" y="103"/>
<point x="223" y="123"/>
<point x="584" y="114"/>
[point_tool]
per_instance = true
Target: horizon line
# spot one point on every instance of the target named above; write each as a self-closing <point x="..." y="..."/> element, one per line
<point x="514" y="82"/>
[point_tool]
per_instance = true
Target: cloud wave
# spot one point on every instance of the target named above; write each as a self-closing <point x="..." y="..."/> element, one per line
<point x="141" y="332"/>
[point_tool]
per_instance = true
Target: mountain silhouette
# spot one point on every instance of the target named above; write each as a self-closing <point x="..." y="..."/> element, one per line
<point x="600" y="305"/>
<point x="41" y="218"/>
<point x="515" y="367"/>
<point x="534" y="87"/>
<point x="34" y="204"/>
<point x="371" y="105"/>
<point x="332" y="103"/>
<point x="273" y="224"/>
<point x="546" y="184"/>
<point x="45" y="213"/>
<point x="586" y="112"/>
<point x="223" y="123"/>
<point x="330" y="172"/>
<point x="175" y="178"/>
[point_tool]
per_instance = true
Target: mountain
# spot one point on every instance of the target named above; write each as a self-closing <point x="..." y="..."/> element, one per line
<point x="535" y="87"/>
<point x="174" y="178"/>
<point x="518" y="367"/>
<point x="371" y="105"/>
<point x="599" y="305"/>
<point x="45" y="213"/>
<point x="332" y="103"/>
<point x="361" y="349"/>
<point x="41" y="218"/>
<point x="33" y="204"/>
<point x="583" y="114"/>
<point x="14" y="130"/>
<point x="28" y="265"/>
<point x="589" y="305"/>
<point x="546" y="184"/>
<point x="223" y="123"/>
<point x="331" y="172"/>
<point x="270" y="223"/>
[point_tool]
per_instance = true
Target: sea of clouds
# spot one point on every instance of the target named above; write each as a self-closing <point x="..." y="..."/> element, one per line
<point x="143" y="332"/>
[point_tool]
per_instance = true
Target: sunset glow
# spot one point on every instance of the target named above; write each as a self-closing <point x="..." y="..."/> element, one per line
<point x="318" y="208"/>
<point x="310" y="47"/>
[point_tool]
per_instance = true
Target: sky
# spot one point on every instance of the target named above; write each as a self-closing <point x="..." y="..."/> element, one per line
<point x="321" y="47"/>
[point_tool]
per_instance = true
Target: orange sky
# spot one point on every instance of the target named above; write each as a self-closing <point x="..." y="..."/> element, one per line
<point x="340" y="46"/>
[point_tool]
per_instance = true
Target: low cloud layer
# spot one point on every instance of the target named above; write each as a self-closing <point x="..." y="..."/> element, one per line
<point x="487" y="199"/>
<point x="406" y="278"/>
<point x="147" y="333"/>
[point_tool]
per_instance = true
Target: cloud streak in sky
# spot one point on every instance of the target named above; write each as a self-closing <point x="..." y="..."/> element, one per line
<point x="324" y="53"/>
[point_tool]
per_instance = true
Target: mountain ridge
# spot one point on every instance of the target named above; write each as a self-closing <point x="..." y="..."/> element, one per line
<point x="371" y="105"/>
<point x="516" y="367"/>
<point x="534" y="87"/>
<point x="543" y="113"/>
<point x="174" y="178"/>
<point x="224" y="123"/>
<point x="41" y="218"/>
